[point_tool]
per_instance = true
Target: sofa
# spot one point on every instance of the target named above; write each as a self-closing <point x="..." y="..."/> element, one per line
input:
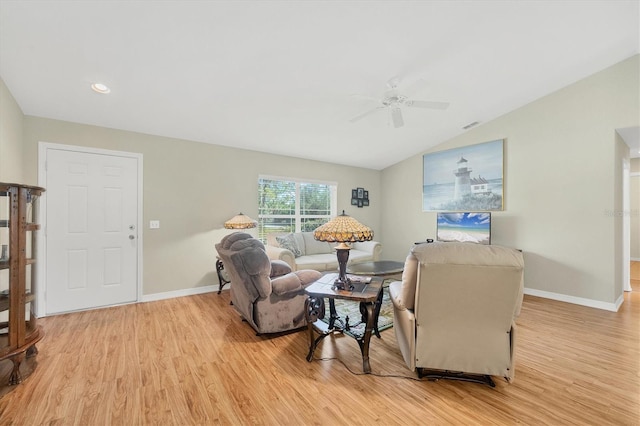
<point x="301" y="251"/>
<point x="267" y="294"/>
<point x="455" y="310"/>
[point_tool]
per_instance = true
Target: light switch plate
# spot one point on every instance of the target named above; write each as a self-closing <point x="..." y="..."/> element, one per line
<point x="154" y="224"/>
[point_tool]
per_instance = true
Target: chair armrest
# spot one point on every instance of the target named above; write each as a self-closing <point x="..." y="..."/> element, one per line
<point x="518" y="308"/>
<point x="277" y="253"/>
<point x="279" y="268"/>
<point x="286" y="284"/>
<point x="395" y="288"/>
<point x="373" y="247"/>
<point x="308" y="276"/>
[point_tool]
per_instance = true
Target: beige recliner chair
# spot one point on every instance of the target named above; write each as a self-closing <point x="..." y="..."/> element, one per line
<point x="266" y="293"/>
<point x="455" y="310"/>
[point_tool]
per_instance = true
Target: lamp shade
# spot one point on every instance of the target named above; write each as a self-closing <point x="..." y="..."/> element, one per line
<point x="240" y="221"/>
<point x="343" y="229"/>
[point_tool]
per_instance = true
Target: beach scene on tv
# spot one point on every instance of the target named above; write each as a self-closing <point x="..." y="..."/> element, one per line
<point x="465" y="227"/>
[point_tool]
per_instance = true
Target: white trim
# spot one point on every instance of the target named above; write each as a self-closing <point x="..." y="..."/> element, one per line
<point x="613" y="307"/>
<point x="635" y="174"/>
<point x="93" y="308"/>
<point x="180" y="293"/>
<point x="42" y="181"/>
<point x="626" y="226"/>
<point x="299" y="180"/>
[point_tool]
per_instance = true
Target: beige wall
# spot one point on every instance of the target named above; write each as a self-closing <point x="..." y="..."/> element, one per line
<point x="10" y="137"/>
<point x="192" y="188"/>
<point x="560" y="182"/>
<point x="561" y="165"/>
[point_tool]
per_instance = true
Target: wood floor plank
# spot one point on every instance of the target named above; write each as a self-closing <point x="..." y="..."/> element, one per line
<point x="192" y="361"/>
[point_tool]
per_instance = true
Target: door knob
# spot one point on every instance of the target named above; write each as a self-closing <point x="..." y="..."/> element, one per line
<point x="131" y="237"/>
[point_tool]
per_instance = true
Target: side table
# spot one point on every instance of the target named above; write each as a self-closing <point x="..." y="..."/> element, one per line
<point x="223" y="278"/>
<point x="369" y="294"/>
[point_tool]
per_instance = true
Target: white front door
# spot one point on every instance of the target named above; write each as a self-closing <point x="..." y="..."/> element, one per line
<point x="91" y="230"/>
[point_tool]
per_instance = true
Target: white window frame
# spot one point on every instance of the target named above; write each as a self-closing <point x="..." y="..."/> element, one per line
<point x="333" y="194"/>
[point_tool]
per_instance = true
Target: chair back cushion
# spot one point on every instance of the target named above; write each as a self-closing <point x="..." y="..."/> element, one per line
<point x="467" y="298"/>
<point x="250" y="264"/>
<point x="228" y="240"/>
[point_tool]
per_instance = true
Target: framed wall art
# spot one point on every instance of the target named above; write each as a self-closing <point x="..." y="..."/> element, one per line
<point x="359" y="197"/>
<point x="464" y="179"/>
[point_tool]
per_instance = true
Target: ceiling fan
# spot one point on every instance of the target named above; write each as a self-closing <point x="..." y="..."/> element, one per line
<point x="393" y="100"/>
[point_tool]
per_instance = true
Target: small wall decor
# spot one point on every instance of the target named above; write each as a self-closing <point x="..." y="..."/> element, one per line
<point x="359" y="197"/>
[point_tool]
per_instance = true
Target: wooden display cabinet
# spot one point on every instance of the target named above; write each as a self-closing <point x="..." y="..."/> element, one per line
<point x="19" y="331"/>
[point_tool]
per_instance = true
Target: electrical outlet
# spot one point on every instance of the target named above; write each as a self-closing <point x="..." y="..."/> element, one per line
<point x="154" y="224"/>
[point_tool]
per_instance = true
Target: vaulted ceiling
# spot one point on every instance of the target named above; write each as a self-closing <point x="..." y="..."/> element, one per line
<point x="287" y="77"/>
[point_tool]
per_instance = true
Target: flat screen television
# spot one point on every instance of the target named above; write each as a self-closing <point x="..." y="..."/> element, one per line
<point x="470" y="227"/>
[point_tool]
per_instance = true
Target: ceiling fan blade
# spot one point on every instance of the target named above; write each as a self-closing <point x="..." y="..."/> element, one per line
<point x="427" y="104"/>
<point x="396" y="117"/>
<point x="364" y="114"/>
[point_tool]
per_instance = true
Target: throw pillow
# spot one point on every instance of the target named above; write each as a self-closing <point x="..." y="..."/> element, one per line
<point x="289" y="242"/>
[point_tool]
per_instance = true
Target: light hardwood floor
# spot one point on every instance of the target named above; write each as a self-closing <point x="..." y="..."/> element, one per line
<point x="192" y="361"/>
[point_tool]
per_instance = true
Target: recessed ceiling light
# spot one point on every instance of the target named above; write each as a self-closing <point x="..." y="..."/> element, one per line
<point x="100" y="88"/>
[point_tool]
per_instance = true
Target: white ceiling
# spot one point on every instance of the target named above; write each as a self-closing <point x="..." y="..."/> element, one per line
<point x="280" y="76"/>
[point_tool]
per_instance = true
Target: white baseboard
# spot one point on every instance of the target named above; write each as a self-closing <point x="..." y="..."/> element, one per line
<point x="179" y="293"/>
<point x="635" y="259"/>
<point x="613" y="307"/>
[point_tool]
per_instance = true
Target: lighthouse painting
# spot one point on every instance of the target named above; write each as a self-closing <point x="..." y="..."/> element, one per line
<point x="464" y="179"/>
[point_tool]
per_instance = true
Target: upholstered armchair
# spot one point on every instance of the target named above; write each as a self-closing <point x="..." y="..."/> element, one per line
<point x="266" y="293"/>
<point x="455" y="310"/>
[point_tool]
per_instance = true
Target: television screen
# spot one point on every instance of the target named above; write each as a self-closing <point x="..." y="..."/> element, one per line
<point x="465" y="227"/>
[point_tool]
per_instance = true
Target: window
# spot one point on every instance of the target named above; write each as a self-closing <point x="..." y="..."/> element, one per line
<point x="292" y="205"/>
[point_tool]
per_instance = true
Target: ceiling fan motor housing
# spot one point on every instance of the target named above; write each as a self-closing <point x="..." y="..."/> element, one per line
<point x="394" y="100"/>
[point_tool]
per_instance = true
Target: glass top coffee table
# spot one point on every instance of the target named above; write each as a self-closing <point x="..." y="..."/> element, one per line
<point x="378" y="268"/>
